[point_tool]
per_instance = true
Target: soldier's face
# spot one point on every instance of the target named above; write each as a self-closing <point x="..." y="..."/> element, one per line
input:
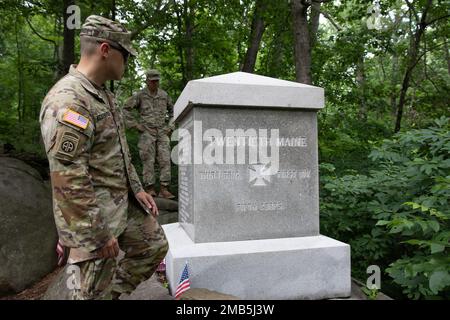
<point x="118" y="64"/>
<point x="113" y="61"/>
<point x="153" y="84"/>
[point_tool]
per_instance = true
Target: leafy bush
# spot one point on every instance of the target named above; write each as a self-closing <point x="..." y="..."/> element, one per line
<point x="397" y="216"/>
<point x="344" y="139"/>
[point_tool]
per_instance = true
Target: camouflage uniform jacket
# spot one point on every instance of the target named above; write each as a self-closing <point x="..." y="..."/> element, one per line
<point x="154" y="111"/>
<point x="90" y="163"/>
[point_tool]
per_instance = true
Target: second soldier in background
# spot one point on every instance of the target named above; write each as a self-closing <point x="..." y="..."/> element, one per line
<point x="155" y="123"/>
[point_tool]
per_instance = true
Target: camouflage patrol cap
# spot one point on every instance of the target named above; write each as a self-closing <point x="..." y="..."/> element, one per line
<point x="153" y="74"/>
<point x="105" y="29"/>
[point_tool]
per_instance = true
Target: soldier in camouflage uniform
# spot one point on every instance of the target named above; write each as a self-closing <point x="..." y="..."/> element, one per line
<point x="98" y="199"/>
<point x="155" y="123"/>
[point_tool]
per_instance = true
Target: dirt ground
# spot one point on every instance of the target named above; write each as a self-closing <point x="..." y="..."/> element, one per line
<point x="36" y="291"/>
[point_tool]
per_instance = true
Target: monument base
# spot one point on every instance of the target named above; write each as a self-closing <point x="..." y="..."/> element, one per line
<point x="315" y="267"/>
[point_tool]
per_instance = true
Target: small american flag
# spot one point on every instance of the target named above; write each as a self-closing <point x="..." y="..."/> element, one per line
<point x="60" y="252"/>
<point x="184" y="284"/>
<point x="76" y="119"/>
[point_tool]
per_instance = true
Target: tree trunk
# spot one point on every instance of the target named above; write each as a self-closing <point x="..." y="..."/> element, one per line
<point x="20" y="76"/>
<point x="302" y="47"/>
<point x="179" y="45"/>
<point x="394" y="81"/>
<point x="314" y="23"/>
<point x="276" y="54"/>
<point x="256" y="33"/>
<point x="361" y="81"/>
<point x="68" y="56"/>
<point x="57" y="51"/>
<point x="189" y="26"/>
<point x="395" y="66"/>
<point x="446" y="55"/>
<point x="412" y="60"/>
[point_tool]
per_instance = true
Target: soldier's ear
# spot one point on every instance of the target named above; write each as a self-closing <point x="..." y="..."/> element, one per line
<point x="104" y="49"/>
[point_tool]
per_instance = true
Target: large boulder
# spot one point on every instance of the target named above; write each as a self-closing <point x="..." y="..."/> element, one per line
<point x="27" y="229"/>
<point x="58" y="288"/>
<point x="150" y="289"/>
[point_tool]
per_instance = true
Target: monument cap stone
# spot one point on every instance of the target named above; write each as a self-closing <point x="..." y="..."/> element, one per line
<point x="247" y="89"/>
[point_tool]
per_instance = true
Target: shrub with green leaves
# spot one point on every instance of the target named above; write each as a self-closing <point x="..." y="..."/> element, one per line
<point x="398" y="215"/>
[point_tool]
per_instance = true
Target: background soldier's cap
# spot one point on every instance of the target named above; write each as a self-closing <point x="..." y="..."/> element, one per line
<point x="105" y="29"/>
<point x="153" y="74"/>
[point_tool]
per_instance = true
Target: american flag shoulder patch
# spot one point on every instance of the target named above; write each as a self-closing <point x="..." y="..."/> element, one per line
<point x="76" y="119"/>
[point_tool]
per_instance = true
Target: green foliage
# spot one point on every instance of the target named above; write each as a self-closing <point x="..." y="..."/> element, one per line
<point x="397" y="216"/>
<point x="371" y="294"/>
<point x="344" y="139"/>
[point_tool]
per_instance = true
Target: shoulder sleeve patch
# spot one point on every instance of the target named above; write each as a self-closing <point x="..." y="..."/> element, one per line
<point x="75" y="118"/>
<point x="68" y="144"/>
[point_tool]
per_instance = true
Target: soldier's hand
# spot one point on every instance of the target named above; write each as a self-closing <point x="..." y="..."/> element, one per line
<point x="148" y="201"/>
<point x="110" y="249"/>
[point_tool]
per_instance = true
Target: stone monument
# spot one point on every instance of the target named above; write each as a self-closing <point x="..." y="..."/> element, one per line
<point x="249" y="192"/>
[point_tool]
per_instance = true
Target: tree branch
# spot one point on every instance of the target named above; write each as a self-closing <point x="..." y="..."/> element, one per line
<point x="37" y="33"/>
<point x="149" y="22"/>
<point x="329" y="18"/>
<point x="436" y="19"/>
<point x="411" y="8"/>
